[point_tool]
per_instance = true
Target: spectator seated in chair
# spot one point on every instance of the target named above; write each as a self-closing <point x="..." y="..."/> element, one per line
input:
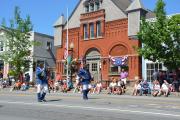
<point x="24" y="86"/>
<point x="156" y="89"/>
<point x="137" y="88"/>
<point x="56" y="86"/>
<point x="77" y="83"/>
<point x="146" y="88"/>
<point x="175" y="85"/>
<point x="120" y="87"/>
<point x="98" y="87"/>
<point x="64" y="87"/>
<point x="165" y="88"/>
<point x="16" y="86"/>
<point x="51" y="85"/>
<point x="112" y="86"/>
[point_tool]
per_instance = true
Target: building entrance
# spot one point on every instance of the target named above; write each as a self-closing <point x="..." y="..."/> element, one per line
<point x="93" y="62"/>
<point x="94" y="68"/>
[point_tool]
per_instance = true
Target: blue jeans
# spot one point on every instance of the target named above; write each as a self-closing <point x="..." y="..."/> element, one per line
<point x="85" y="93"/>
<point x="146" y="91"/>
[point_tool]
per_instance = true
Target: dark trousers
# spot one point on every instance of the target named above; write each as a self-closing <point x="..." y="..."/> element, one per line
<point x="41" y="96"/>
<point x="85" y="93"/>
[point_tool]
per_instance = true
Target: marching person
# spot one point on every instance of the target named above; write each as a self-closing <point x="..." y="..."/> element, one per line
<point x="85" y="77"/>
<point x="42" y="83"/>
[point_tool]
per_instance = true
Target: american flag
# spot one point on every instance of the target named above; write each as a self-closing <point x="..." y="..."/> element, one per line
<point x="65" y="51"/>
<point x="82" y="63"/>
<point x="118" y="61"/>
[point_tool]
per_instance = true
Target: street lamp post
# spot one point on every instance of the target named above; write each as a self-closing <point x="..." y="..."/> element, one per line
<point x="71" y="48"/>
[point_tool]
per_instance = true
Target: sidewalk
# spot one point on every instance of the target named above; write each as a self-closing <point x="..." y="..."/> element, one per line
<point x="103" y="93"/>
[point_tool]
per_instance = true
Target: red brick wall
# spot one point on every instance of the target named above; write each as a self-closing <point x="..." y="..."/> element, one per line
<point x="114" y="33"/>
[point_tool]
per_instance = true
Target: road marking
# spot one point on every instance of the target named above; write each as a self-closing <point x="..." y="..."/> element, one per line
<point x="92" y="108"/>
<point x="152" y="104"/>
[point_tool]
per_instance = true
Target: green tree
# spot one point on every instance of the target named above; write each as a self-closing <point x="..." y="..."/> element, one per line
<point x="161" y="38"/>
<point x="17" y="43"/>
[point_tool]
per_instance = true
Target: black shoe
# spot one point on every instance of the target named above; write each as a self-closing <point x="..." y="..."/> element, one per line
<point x="44" y="100"/>
<point x="40" y="101"/>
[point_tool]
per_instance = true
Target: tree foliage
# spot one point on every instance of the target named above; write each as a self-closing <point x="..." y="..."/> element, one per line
<point x="161" y="38"/>
<point x="17" y="43"/>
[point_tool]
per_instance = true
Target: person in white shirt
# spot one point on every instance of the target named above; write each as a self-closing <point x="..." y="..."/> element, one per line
<point x="98" y="87"/>
<point x="76" y="86"/>
<point x="156" y="89"/>
<point x="112" y="86"/>
<point x="56" y="86"/>
<point x="137" y="88"/>
<point x="120" y="87"/>
<point x="165" y="88"/>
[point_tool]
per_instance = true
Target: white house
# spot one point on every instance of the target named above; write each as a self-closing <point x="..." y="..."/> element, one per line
<point x="148" y="67"/>
<point x="43" y="53"/>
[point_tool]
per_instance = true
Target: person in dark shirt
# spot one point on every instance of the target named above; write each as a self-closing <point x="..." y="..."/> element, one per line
<point x="1" y="75"/>
<point x="27" y="77"/>
<point x="41" y="82"/>
<point x="85" y="77"/>
<point x="155" y="75"/>
<point x="145" y="88"/>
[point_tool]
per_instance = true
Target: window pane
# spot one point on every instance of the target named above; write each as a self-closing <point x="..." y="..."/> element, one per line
<point x="92" y="30"/>
<point x="86" y="8"/>
<point x="160" y="66"/>
<point x="40" y="62"/>
<point x="92" y="7"/>
<point x="85" y="31"/>
<point x="157" y="66"/>
<point x="151" y="68"/>
<point x="88" y="67"/>
<point x="1" y="45"/>
<point x="49" y="46"/>
<point x="98" y="28"/>
<point x="148" y="66"/>
<point x="97" y="6"/>
<point x="94" y="66"/>
<point x="114" y="69"/>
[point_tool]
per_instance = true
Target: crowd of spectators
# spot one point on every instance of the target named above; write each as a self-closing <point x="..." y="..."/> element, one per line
<point x="163" y="83"/>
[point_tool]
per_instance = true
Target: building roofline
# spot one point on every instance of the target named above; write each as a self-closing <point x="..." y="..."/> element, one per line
<point x="124" y="11"/>
<point x="42" y="34"/>
<point x="69" y="17"/>
<point x="170" y="15"/>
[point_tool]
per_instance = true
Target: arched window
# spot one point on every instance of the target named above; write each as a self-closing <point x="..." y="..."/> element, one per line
<point x="117" y="50"/>
<point x="92" y="5"/>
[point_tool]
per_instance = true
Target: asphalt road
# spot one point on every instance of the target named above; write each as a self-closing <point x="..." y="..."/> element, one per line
<point x="23" y="106"/>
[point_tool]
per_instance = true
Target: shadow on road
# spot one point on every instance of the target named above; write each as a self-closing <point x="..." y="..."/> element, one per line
<point x="54" y="100"/>
<point x="94" y="98"/>
<point x="1" y="106"/>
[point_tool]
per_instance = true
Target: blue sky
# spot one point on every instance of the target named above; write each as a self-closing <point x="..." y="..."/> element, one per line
<point x="45" y="12"/>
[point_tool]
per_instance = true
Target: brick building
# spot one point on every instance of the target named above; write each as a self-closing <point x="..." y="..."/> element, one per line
<point x="99" y="28"/>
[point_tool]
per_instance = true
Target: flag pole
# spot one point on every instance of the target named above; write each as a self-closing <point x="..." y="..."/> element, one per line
<point x="67" y="41"/>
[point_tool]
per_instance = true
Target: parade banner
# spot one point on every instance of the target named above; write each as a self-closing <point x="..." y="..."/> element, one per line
<point x="119" y="61"/>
